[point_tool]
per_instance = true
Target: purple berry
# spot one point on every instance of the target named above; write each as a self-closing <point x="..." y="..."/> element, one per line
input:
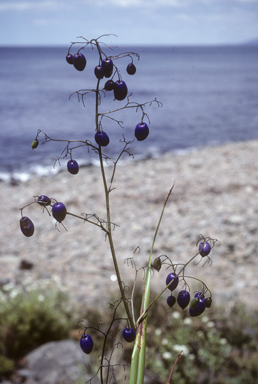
<point x="171" y="300"/>
<point x="183" y="299"/>
<point x="109" y="85"/>
<point x="173" y="278"/>
<point x="43" y="200"/>
<point x="27" y="226"/>
<point x="199" y="295"/>
<point x="86" y="343"/>
<point x="141" y="131"/>
<point x="129" y="334"/>
<point x="120" y="90"/>
<point x="107" y="65"/>
<point x="79" y="61"/>
<point x="131" y="69"/>
<point x="108" y="74"/>
<point x="59" y="211"/>
<point x="101" y="138"/>
<point x="72" y="167"/>
<point x="99" y="73"/>
<point x="199" y="309"/>
<point x="204" y="249"/>
<point x="69" y="58"/>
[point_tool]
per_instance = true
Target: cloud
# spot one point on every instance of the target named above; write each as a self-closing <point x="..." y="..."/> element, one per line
<point x="26" y="5"/>
<point x="21" y="6"/>
<point x="142" y="3"/>
<point x="167" y="3"/>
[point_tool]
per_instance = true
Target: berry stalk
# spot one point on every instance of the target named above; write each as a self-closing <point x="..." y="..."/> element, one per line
<point x="111" y="244"/>
<point x="109" y="229"/>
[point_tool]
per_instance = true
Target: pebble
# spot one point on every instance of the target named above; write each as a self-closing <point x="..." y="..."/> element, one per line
<point x="215" y="194"/>
<point x="59" y="362"/>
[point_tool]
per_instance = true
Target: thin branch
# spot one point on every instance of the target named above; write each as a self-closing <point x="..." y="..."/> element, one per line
<point x="175" y="363"/>
<point x="124" y="150"/>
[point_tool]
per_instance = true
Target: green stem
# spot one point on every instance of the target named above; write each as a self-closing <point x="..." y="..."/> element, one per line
<point x="135" y="360"/>
<point x="137" y="367"/>
<point x="111" y="243"/>
<point x="109" y="229"/>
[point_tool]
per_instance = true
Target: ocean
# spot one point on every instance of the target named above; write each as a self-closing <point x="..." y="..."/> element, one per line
<point x="209" y="97"/>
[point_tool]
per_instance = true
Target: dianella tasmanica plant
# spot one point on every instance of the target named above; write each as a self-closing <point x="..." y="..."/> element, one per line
<point x="134" y="325"/>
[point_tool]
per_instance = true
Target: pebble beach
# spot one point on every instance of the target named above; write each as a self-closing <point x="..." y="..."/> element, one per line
<point x="215" y="194"/>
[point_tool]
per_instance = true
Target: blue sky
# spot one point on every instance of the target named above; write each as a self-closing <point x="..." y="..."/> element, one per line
<point x="136" y="22"/>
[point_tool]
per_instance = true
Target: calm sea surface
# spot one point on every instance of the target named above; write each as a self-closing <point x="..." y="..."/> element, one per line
<point x="209" y="96"/>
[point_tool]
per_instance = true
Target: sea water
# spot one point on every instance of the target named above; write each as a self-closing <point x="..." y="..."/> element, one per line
<point x="209" y="97"/>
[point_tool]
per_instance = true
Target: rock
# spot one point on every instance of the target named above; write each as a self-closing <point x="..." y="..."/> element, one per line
<point x="60" y="362"/>
<point x="235" y="219"/>
<point x="26" y="264"/>
<point x="6" y="382"/>
<point x="4" y="281"/>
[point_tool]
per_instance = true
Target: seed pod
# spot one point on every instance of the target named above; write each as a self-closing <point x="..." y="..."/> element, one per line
<point x="34" y="144"/>
<point x="208" y="302"/>
<point x="157" y="264"/>
<point x="194" y="302"/>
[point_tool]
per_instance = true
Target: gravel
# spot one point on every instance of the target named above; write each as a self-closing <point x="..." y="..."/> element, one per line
<point x="215" y="194"/>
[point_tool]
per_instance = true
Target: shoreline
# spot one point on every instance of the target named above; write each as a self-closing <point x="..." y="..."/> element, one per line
<point x="215" y="194"/>
<point x="37" y="171"/>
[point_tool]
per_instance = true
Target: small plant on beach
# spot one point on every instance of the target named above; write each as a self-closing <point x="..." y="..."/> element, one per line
<point x="126" y="324"/>
<point x="32" y="315"/>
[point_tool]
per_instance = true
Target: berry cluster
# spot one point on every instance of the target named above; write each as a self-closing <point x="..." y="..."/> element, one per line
<point x="107" y="69"/>
<point x="104" y="69"/>
<point x="58" y="212"/>
<point x="78" y="60"/>
<point x="199" y="302"/>
<point x="86" y="342"/>
<point x="128" y="333"/>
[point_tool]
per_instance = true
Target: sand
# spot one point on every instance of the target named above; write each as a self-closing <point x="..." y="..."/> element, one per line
<point x="215" y="194"/>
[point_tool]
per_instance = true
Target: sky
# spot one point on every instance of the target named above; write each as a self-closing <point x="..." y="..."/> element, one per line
<point x="135" y="22"/>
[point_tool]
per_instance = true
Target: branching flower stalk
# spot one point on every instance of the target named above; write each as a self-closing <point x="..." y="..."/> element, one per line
<point x="108" y="213"/>
<point x="111" y="244"/>
<point x="135" y="330"/>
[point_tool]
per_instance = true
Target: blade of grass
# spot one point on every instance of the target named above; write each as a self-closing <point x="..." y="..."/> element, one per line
<point x="138" y="362"/>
